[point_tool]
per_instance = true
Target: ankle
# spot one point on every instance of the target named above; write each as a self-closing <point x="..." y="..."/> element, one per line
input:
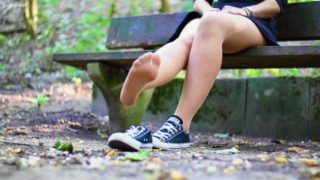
<point x="185" y="123"/>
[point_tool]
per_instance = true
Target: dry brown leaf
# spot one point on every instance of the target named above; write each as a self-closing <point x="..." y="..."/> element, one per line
<point x="229" y="170"/>
<point x="176" y="175"/>
<point x="309" y="162"/>
<point x="111" y="153"/>
<point x="237" y="161"/>
<point x="263" y="157"/>
<point x="298" y="150"/>
<point x="8" y="129"/>
<point x="14" y="150"/>
<point x="156" y="160"/>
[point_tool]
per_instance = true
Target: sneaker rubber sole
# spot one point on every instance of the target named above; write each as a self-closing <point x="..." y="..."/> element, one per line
<point x="124" y="142"/>
<point x="169" y="146"/>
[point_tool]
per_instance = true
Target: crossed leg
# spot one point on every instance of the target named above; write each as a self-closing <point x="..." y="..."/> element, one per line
<point x="155" y="69"/>
<point x="199" y="47"/>
<point x="218" y="32"/>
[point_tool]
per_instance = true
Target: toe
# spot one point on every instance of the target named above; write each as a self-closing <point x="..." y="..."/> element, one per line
<point x="148" y="56"/>
<point x="155" y="59"/>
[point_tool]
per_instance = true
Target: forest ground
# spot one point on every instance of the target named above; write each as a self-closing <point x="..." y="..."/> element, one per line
<point x="27" y="135"/>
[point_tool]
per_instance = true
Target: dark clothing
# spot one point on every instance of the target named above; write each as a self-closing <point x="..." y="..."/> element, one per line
<point x="266" y="26"/>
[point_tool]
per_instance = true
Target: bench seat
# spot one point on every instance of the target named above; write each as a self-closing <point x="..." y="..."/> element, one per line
<point x="258" y="57"/>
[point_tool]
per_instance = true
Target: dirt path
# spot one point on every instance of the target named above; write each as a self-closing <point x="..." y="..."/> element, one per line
<point x="27" y="137"/>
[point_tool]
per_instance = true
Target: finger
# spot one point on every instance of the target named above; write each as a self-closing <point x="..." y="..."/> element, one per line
<point x="226" y="7"/>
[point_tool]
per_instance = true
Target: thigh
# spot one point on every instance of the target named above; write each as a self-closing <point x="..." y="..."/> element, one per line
<point x="244" y="34"/>
<point x="190" y="28"/>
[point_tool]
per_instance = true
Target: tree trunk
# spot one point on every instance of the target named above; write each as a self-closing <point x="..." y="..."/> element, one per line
<point x="30" y="16"/>
<point x="165" y="6"/>
<point x="113" y="8"/>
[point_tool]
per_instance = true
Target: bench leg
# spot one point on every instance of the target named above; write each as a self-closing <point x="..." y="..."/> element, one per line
<point x="109" y="80"/>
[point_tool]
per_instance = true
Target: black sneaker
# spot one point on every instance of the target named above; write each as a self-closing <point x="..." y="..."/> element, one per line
<point x="171" y="135"/>
<point x="134" y="139"/>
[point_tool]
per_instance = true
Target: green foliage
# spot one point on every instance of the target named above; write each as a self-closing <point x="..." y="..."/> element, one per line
<point x="41" y="100"/>
<point x="186" y="5"/>
<point x="2" y="68"/>
<point x="138" y="156"/>
<point x="63" y="146"/>
<point x="253" y="72"/>
<point x="3" y="39"/>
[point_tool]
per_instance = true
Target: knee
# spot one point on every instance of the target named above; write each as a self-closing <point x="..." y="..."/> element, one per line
<point x="212" y="24"/>
<point x="186" y="40"/>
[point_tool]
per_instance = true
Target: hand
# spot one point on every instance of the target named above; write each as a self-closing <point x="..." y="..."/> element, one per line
<point x="211" y="10"/>
<point x="233" y="10"/>
<point x="201" y="6"/>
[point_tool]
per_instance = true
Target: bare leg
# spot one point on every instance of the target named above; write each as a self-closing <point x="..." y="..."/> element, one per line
<point x="155" y="69"/>
<point x="217" y="32"/>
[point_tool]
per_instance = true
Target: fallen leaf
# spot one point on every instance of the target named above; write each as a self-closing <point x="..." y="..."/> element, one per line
<point x="111" y="153"/>
<point x="212" y="169"/>
<point x="309" y="162"/>
<point x="237" y="147"/>
<point x="176" y="175"/>
<point x="8" y="129"/>
<point x="298" y="150"/>
<point x="138" y="156"/>
<point x="102" y="133"/>
<point x="14" y="150"/>
<point x="68" y="147"/>
<point x="263" y="157"/>
<point x="57" y="144"/>
<point x="13" y="160"/>
<point x="281" y="160"/>
<point x="229" y="170"/>
<point x="237" y="161"/>
<point x="77" y="80"/>
<point x="118" y="163"/>
<point x="156" y="160"/>
<point x="78" y="143"/>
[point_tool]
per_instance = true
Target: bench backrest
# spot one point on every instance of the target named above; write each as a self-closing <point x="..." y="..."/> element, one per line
<point x="301" y="21"/>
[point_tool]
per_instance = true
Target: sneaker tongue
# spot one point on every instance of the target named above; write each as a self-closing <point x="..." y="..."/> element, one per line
<point x="175" y="121"/>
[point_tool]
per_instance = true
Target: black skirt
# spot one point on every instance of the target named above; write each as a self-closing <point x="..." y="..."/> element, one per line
<point x="266" y="26"/>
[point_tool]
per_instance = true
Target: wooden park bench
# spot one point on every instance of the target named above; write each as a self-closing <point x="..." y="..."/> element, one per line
<point x="130" y="37"/>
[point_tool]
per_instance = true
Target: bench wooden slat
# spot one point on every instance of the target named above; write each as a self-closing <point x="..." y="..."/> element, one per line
<point x="301" y="21"/>
<point x="258" y="57"/>
<point x="143" y="31"/>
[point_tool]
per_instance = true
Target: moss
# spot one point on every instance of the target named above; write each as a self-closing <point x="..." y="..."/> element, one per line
<point x="165" y="97"/>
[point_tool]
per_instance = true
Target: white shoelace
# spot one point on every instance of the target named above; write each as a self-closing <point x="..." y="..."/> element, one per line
<point x="169" y="131"/>
<point x="135" y="131"/>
